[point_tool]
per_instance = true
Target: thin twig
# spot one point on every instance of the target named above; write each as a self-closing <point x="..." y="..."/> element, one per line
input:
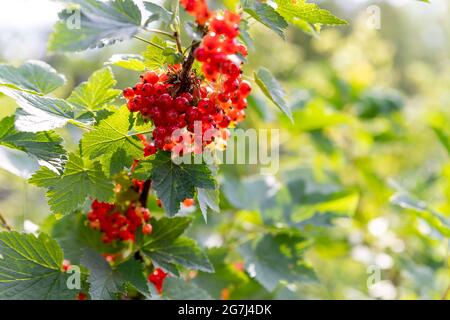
<point x="145" y="192"/>
<point x="188" y="62"/>
<point x="178" y="41"/>
<point x="4" y="224"/>
<point x="168" y="34"/>
<point x="149" y="42"/>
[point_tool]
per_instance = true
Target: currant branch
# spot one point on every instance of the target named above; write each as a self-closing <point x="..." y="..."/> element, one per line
<point x="149" y="42"/>
<point x="3" y="223"/>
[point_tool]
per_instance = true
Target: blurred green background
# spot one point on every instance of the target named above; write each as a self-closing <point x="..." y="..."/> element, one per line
<point x="365" y="171"/>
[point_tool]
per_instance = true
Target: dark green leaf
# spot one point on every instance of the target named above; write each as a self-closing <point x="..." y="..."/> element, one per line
<point x="107" y="283"/>
<point x="266" y="15"/>
<point x="31" y="268"/>
<point x="174" y="183"/>
<point x="179" y="289"/>
<point x="166" y="248"/>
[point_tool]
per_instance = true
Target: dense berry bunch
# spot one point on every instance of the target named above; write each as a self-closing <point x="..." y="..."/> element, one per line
<point x="116" y="225"/>
<point x="180" y="118"/>
<point x="157" y="278"/>
<point x="197" y="8"/>
<point x="190" y="112"/>
<point x="219" y="55"/>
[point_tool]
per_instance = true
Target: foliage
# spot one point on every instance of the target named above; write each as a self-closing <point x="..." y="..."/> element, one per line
<point x="287" y="235"/>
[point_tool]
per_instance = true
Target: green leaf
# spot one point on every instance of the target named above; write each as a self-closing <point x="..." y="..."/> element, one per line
<point x="110" y="135"/>
<point x="33" y="75"/>
<point x="30" y="268"/>
<point x="275" y="258"/>
<point x="208" y="199"/>
<point x="157" y="13"/>
<point x="44" y="146"/>
<point x="174" y="183"/>
<point x="153" y="56"/>
<point x="143" y="169"/>
<point x="107" y="283"/>
<point x="100" y="24"/>
<point x="81" y="179"/>
<point x="44" y="178"/>
<point x="127" y="61"/>
<point x="422" y="210"/>
<point x="166" y="248"/>
<point x="266" y="15"/>
<point x="38" y="113"/>
<point x="272" y="90"/>
<point x="299" y="12"/>
<point x="96" y="92"/>
<point x="179" y="289"/>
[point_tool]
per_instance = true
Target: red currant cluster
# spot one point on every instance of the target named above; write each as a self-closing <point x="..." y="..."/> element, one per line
<point x="157" y="278"/>
<point x="179" y="117"/>
<point x="197" y="8"/>
<point x="189" y="116"/>
<point x="218" y="54"/>
<point x="115" y="225"/>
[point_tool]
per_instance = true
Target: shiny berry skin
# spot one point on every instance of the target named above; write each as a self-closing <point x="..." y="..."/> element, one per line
<point x="147" y="229"/>
<point x="201" y="54"/>
<point x="188" y="202"/>
<point x="245" y="88"/>
<point x="165" y="101"/>
<point x="128" y="93"/>
<point x="149" y="150"/>
<point x="181" y="104"/>
<point x="151" y="77"/>
<point x="157" y="278"/>
<point x="225" y="122"/>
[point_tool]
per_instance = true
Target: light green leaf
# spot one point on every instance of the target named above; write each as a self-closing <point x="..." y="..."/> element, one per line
<point x="44" y="178"/>
<point x="266" y="15"/>
<point x="153" y="56"/>
<point x="422" y="210"/>
<point x="269" y="264"/>
<point x="128" y="61"/>
<point x="33" y="75"/>
<point x="30" y="268"/>
<point x="107" y="283"/>
<point x="110" y="135"/>
<point x="174" y="183"/>
<point x="44" y="146"/>
<point x="272" y="90"/>
<point x="96" y="92"/>
<point x="81" y="179"/>
<point x="298" y="12"/>
<point x="94" y="23"/>
<point x="38" y="113"/>
<point x="166" y="248"/>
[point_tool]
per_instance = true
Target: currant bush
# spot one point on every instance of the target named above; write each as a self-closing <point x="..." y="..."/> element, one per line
<point x="122" y="205"/>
